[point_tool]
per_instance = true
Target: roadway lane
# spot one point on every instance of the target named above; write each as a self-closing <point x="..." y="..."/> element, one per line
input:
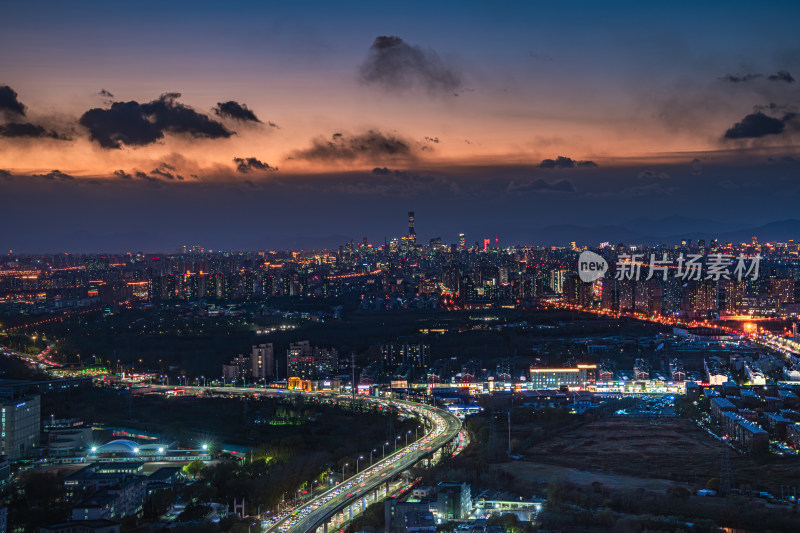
<point x="307" y="516"/>
<point x="310" y="515"/>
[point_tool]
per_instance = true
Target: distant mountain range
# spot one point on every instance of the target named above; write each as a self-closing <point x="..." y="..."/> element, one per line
<point x="666" y="231"/>
<point x="670" y="230"/>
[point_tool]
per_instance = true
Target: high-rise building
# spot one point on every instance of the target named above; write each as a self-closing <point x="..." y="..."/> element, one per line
<point x="21" y="425"/>
<point x="262" y="361"/>
<point x="700" y="299"/>
<point x="462" y="242"/>
<point x="557" y="278"/>
<point x="647" y="296"/>
<point x="238" y="369"/>
<point x="413" y="355"/>
<point x="299" y="360"/>
<point x="310" y="362"/>
<point x="733" y="292"/>
<point x="782" y="289"/>
<point x="412" y="233"/>
<point x="611" y="294"/>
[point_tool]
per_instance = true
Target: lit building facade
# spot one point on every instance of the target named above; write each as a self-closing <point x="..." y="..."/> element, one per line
<point x="21" y="425"/>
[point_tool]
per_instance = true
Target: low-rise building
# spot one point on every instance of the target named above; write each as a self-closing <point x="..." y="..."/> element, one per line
<point x="776" y="424"/>
<point x="125" y="498"/>
<point x="82" y="526"/>
<point x="719" y="406"/>
<point x="793" y="434"/>
<point x="555" y="378"/>
<point x="68" y="442"/>
<point x="641" y="370"/>
<point x="454" y="500"/>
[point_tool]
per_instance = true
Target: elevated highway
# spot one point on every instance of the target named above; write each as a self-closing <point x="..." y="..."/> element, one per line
<point x="364" y="486"/>
<point x="441" y="429"/>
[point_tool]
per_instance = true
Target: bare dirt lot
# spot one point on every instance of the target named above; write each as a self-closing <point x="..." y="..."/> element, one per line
<point x="543" y="473"/>
<point x="671" y="449"/>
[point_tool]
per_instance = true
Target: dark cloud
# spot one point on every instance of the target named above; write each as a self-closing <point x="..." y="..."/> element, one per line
<point x="383" y="181"/>
<point x="395" y="65"/>
<point x="273" y="125"/>
<point x="540" y="185"/>
<point x="166" y="171"/>
<point x="26" y="129"/>
<point x="650" y="174"/>
<point x="653" y="189"/>
<point x="9" y="102"/>
<point x="404" y="174"/>
<point x="105" y="94"/>
<point x="246" y="164"/>
<point x="782" y="75"/>
<point x="10" y="106"/>
<point x="566" y="162"/>
<point x="697" y="166"/>
<point x="729" y="185"/>
<point x="154" y="177"/>
<point x="740" y="79"/>
<point x="757" y="125"/>
<point x="55" y="175"/>
<point x="5" y="174"/>
<point x="135" y="124"/>
<point x="776" y="108"/>
<point x="236" y="111"/>
<point x="432" y="139"/>
<point x="369" y="146"/>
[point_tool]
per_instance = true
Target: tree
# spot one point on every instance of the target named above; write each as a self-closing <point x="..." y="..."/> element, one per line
<point x="194" y="512"/>
<point x="194" y="468"/>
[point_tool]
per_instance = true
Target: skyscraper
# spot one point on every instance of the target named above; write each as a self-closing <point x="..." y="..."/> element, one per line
<point x="261" y="359"/>
<point x="310" y="362"/>
<point x="21" y="424"/>
<point x="462" y="242"/>
<point x="412" y="234"/>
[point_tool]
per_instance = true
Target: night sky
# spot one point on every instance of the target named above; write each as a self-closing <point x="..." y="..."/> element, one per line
<point x="247" y="125"/>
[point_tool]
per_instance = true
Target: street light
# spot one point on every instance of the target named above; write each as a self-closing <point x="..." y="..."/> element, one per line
<point x="370" y="456"/>
<point x="415" y="432"/>
<point x="396" y="442"/>
<point x="385" y="444"/>
<point x="357" y="460"/>
<point x="346" y="464"/>
<point x="407" y="434"/>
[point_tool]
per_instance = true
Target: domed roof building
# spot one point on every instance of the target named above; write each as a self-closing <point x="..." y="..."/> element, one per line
<point x="120" y="446"/>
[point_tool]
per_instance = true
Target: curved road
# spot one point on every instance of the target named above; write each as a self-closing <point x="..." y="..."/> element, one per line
<point x="443" y="428"/>
<point x="310" y="515"/>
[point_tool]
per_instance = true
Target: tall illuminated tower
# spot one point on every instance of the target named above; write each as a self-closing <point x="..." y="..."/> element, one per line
<point x="412" y="234"/>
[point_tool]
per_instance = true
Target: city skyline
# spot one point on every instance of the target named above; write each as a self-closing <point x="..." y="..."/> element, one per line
<point x="423" y="267"/>
<point x="276" y="123"/>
